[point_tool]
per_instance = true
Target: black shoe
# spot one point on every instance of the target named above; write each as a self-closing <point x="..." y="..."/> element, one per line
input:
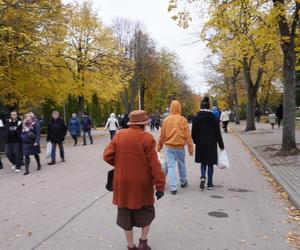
<point x="202" y="184"/>
<point x="51" y="163"/>
<point x="210" y="187"/>
<point x="84" y="144"/>
<point x="26" y="173"/>
<point x="174" y="192"/>
<point x="39" y="167"/>
<point x="1" y="166"/>
<point x="184" y="185"/>
<point x="63" y="160"/>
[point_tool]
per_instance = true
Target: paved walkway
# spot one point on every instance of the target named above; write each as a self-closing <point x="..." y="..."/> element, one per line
<point x="287" y="172"/>
<point x="65" y="207"/>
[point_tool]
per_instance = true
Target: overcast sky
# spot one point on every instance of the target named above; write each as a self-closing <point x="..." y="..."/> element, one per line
<point x="155" y="17"/>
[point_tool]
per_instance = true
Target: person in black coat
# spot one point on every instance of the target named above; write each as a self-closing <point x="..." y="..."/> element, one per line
<point x="279" y="114"/>
<point x="86" y="125"/>
<point x="13" y="142"/>
<point x="206" y="135"/>
<point x="57" y="131"/>
<point x="31" y="141"/>
<point x="2" y="140"/>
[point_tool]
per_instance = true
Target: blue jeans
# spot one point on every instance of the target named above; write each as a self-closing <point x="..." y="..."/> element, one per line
<point x="174" y="155"/>
<point x="61" y="150"/>
<point x="89" y="134"/>
<point x="210" y="173"/>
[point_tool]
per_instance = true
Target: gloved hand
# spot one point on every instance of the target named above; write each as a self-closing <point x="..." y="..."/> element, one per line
<point x="159" y="194"/>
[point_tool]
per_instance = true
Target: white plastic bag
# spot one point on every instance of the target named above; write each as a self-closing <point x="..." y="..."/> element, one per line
<point x="223" y="160"/>
<point x="163" y="162"/>
<point x="48" y="150"/>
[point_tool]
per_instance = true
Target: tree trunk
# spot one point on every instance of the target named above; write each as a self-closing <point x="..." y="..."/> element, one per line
<point x="250" y="110"/>
<point x="80" y="106"/>
<point x="289" y="102"/>
<point x="236" y="108"/>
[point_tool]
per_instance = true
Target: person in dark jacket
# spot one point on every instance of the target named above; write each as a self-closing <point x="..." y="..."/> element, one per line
<point x="124" y="121"/>
<point x="14" y="141"/>
<point x="31" y="141"/>
<point x="206" y="135"/>
<point x="279" y="114"/>
<point x="86" y="126"/>
<point x="2" y="142"/>
<point x="74" y="128"/>
<point x="57" y="131"/>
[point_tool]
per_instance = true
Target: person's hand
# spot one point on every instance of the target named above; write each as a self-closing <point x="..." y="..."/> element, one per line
<point x="35" y="144"/>
<point x="159" y="194"/>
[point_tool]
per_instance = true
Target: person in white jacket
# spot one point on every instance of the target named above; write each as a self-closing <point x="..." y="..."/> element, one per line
<point x="225" y="118"/>
<point x="112" y="125"/>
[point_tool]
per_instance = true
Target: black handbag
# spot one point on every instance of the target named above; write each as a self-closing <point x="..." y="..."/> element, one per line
<point x="110" y="180"/>
<point x="32" y="135"/>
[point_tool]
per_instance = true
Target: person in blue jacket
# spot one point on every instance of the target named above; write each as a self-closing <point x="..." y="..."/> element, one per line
<point x="216" y="112"/>
<point x="74" y="128"/>
<point x="86" y="126"/>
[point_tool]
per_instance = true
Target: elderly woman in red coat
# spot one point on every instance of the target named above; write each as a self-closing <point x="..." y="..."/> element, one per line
<point x="137" y="171"/>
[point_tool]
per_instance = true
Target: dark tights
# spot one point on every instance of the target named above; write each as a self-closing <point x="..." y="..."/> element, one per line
<point x="37" y="158"/>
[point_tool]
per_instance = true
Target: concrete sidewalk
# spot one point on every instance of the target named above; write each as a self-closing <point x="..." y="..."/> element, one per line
<point x="65" y="207"/>
<point x="285" y="171"/>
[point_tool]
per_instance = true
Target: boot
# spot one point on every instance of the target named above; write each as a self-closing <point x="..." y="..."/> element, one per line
<point x="133" y="248"/>
<point x="39" y="167"/>
<point x="144" y="245"/>
<point x="26" y="168"/>
<point x="37" y="158"/>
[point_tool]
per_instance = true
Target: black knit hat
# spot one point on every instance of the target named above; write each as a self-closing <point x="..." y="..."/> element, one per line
<point x="205" y="103"/>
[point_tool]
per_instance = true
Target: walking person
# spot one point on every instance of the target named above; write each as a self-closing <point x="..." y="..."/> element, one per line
<point x="136" y="172"/>
<point x="272" y="120"/>
<point x="13" y="147"/>
<point x="175" y="134"/>
<point x="57" y="131"/>
<point x="2" y="141"/>
<point x="225" y="118"/>
<point x="86" y="126"/>
<point x="31" y="141"/>
<point x="152" y="123"/>
<point x="279" y="114"/>
<point x="74" y="128"/>
<point x="157" y="119"/>
<point x="206" y="135"/>
<point x="112" y="125"/>
<point x="124" y="121"/>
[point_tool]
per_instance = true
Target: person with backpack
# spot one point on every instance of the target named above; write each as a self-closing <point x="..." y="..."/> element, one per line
<point x="74" y="128"/>
<point x="112" y="125"/>
<point x="86" y="126"/>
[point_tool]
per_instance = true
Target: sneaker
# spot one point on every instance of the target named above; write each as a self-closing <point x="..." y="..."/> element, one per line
<point x="18" y="170"/>
<point x="185" y="184"/>
<point x="210" y="187"/>
<point x="174" y="192"/>
<point x="202" y="184"/>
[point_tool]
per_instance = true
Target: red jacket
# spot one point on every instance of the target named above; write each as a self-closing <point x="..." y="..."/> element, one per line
<point x="137" y="169"/>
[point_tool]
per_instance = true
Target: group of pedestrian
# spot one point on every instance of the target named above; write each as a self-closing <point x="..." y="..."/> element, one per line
<point x="20" y="138"/>
<point x="276" y="117"/>
<point x="133" y="154"/>
<point x="156" y="119"/>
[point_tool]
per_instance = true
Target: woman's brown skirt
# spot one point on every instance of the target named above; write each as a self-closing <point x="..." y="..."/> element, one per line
<point x="129" y="218"/>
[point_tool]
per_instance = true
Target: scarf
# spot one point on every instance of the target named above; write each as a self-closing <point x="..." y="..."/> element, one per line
<point x="28" y="125"/>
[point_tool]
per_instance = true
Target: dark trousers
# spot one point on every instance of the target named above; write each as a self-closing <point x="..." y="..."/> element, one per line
<point x="61" y="151"/>
<point x="14" y="154"/>
<point x="279" y="121"/>
<point x="75" y="139"/>
<point x="157" y="126"/>
<point x="89" y="134"/>
<point x="37" y="159"/>
<point x="152" y="126"/>
<point x="112" y="134"/>
<point x="210" y="173"/>
<point x="1" y="164"/>
<point x="225" y="125"/>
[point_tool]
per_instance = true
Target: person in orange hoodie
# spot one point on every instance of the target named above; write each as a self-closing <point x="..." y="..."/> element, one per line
<point x="175" y="134"/>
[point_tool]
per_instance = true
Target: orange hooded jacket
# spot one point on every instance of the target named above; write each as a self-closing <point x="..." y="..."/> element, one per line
<point x="175" y="132"/>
